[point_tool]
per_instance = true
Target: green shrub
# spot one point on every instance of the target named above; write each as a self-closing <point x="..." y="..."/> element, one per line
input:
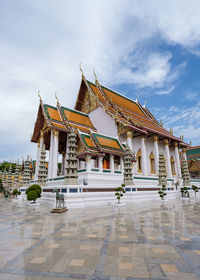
<point x="19" y="192"/>
<point x="162" y="192"/>
<point x="119" y="192"/>
<point x="32" y="195"/>
<point x="34" y="188"/>
<point x="15" y="192"/>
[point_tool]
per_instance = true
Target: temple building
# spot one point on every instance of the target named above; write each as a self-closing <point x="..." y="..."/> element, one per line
<point x="193" y="158"/>
<point x="106" y="124"/>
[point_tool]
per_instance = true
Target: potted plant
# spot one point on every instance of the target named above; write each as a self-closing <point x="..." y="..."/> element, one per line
<point x="119" y="192"/>
<point x="195" y="189"/>
<point x="162" y="192"/>
<point x="33" y="192"/>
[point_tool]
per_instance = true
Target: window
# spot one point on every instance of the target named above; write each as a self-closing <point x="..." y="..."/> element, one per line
<point x="139" y="161"/>
<point x="117" y="163"/>
<point x="173" y="166"/>
<point x="152" y="163"/>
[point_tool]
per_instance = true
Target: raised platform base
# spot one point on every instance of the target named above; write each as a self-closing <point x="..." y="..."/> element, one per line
<point x="59" y="210"/>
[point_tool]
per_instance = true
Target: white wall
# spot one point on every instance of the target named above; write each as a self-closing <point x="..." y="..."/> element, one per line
<point x="103" y="122"/>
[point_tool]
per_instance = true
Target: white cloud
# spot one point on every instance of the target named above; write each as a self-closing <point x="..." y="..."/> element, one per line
<point x="165" y="92"/>
<point x="43" y="42"/>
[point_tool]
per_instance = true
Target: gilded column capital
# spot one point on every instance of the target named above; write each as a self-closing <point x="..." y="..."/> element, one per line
<point x="166" y="142"/>
<point x="155" y="138"/>
<point x="183" y="150"/>
<point x="55" y="133"/>
<point x="41" y="134"/>
<point x="175" y="144"/>
<point x="129" y="134"/>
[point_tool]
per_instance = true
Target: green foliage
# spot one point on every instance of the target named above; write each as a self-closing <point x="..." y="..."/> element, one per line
<point x="19" y="192"/>
<point x="32" y="195"/>
<point x="195" y="189"/>
<point x="2" y="189"/>
<point x="119" y="192"/>
<point x="15" y="192"/>
<point x="6" y="165"/>
<point x="184" y="192"/>
<point x="34" y="188"/>
<point x="162" y="192"/>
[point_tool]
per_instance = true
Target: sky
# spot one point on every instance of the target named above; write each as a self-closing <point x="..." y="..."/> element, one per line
<point x="148" y="48"/>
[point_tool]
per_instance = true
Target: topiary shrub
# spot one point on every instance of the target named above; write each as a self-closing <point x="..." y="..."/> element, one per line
<point x="184" y="192"/>
<point x="195" y="189"/>
<point x="19" y="192"/>
<point x="15" y="192"/>
<point x="32" y="195"/>
<point x="162" y="192"/>
<point x="119" y="192"/>
<point x="36" y="189"/>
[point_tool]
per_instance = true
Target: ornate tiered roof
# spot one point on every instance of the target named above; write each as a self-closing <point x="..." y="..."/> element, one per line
<point x="99" y="143"/>
<point x="125" y="111"/>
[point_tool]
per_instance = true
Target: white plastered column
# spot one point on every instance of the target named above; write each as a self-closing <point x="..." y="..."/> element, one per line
<point x="144" y="156"/>
<point x="50" y="156"/>
<point x="100" y="164"/>
<point x="112" y="166"/>
<point x="37" y="161"/>
<point x="88" y="163"/>
<point x="169" y="169"/>
<point x="129" y="139"/>
<point x="55" y="154"/>
<point x="39" y="149"/>
<point x="177" y="160"/>
<point x="156" y="152"/>
<point x="121" y="164"/>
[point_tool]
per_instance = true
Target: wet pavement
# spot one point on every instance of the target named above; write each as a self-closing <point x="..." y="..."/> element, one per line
<point x="145" y="240"/>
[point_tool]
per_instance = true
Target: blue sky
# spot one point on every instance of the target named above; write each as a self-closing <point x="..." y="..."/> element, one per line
<point x="148" y="48"/>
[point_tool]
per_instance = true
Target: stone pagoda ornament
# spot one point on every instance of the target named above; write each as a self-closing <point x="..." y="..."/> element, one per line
<point x="162" y="173"/>
<point x="26" y="175"/>
<point x="17" y="173"/>
<point x="185" y="173"/>
<point x="42" y="171"/>
<point x="9" y="181"/>
<point x="71" y="177"/>
<point x="128" y="173"/>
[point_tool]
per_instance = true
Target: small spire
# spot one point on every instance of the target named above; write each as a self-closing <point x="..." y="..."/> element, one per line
<point x="95" y="74"/>
<point x="56" y="98"/>
<point x="81" y="70"/>
<point x="137" y="98"/>
<point x="39" y="96"/>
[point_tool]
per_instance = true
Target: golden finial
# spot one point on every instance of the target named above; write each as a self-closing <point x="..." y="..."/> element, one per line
<point x="161" y="123"/>
<point x="95" y="74"/>
<point x="145" y="103"/>
<point x="190" y="142"/>
<point x="39" y="96"/>
<point x="81" y="70"/>
<point x="56" y="97"/>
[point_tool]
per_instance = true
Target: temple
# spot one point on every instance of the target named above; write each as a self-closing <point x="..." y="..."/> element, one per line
<point x="115" y="137"/>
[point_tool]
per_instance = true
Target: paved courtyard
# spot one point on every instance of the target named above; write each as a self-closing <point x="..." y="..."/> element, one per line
<point x="147" y="240"/>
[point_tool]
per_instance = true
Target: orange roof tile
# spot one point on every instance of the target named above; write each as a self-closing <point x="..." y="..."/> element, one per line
<point x="54" y="114"/>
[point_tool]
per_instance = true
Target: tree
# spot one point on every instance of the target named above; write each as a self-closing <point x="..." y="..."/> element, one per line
<point x="119" y="192"/>
<point x="15" y="192"/>
<point x="2" y="189"/>
<point x="35" y="191"/>
<point x="184" y="192"/>
<point x="32" y="195"/>
<point x="195" y="189"/>
<point x="162" y="192"/>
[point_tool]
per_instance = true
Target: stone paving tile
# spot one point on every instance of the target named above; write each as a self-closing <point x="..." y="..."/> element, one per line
<point x="107" y="243"/>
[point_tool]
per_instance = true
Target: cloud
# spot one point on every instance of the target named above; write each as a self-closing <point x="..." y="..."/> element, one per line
<point x="165" y="92"/>
<point x="184" y="120"/>
<point x="43" y="43"/>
